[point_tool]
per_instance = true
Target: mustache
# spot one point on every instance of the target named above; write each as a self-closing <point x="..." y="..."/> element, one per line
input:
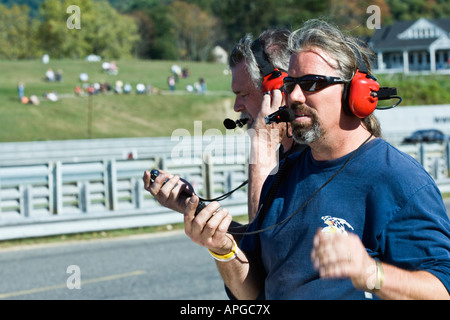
<point x="245" y="115"/>
<point x="301" y="108"/>
<point x="248" y="118"/>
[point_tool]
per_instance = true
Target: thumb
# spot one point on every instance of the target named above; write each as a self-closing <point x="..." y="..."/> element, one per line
<point x="191" y="205"/>
<point x="189" y="213"/>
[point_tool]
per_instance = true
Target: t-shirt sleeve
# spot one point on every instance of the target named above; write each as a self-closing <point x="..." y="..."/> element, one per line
<point x="418" y="235"/>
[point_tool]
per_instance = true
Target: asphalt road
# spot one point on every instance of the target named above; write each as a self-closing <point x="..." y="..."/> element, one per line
<point x="164" y="266"/>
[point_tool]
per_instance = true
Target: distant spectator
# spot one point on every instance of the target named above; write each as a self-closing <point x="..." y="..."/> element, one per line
<point x="118" y="88"/>
<point x="97" y="87"/>
<point x="176" y="70"/>
<point x="105" y="66"/>
<point x="105" y="87"/>
<point x="78" y="91"/>
<point x="186" y="73"/>
<point x="45" y="59"/>
<point x="202" y="85"/>
<point x="127" y="88"/>
<point x="110" y="67"/>
<point x="90" y="90"/>
<point x="21" y="90"/>
<point x="171" y="82"/>
<point x="113" y="68"/>
<point x="140" y="88"/>
<point x="58" y="75"/>
<point x="50" y="75"/>
<point x="52" y="96"/>
<point x="84" y="77"/>
<point x="34" y="100"/>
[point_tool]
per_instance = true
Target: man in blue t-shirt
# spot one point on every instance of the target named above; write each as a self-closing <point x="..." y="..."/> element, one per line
<point x="381" y="196"/>
<point x="351" y="217"/>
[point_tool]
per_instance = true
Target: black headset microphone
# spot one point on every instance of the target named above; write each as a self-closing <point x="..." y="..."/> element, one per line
<point x="231" y="124"/>
<point x="283" y="114"/>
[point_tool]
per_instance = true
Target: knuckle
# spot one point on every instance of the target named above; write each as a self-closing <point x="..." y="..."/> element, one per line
<point x="210" y="227"/>
<point x="223" y="228"/>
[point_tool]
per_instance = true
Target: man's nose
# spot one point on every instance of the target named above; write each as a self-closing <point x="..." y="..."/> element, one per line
<point x="238" y="105"/>
<point x="296" y="96"/>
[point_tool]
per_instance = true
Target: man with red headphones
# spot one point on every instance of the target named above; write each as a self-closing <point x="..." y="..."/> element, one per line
<point x="258" y="68"/>
<point x="350" y="217"/>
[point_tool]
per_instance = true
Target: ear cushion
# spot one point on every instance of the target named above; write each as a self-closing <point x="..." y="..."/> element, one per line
<point x="273" y="81"/>
<point x="360" y="100"/>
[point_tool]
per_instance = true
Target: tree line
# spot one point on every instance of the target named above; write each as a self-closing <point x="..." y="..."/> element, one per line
<point x="175" y="29"/>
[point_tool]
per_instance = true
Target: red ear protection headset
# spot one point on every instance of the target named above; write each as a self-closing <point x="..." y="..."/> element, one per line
<point x="273" y="77"/>
<point x="363" y="92"/>
<point x="361" y="100"/>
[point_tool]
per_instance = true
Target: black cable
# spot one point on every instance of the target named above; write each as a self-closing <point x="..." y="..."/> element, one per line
<point x="225" y="195"/>
<point x="274" y="188"/>
<point x="392" y="106"/>
<point x="229" y="193"/>
<point x="287" y="131"/>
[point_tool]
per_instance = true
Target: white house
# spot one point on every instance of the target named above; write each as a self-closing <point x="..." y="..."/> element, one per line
<point x="422" y="45"/>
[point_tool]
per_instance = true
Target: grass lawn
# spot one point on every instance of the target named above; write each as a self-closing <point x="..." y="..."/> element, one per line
<point x="418" y="89"/>
<point x="112" y="115"/>
<point x="143" y="115"/>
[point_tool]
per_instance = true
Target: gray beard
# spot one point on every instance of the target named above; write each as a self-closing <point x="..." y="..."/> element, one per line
<point x="306" y="135"/>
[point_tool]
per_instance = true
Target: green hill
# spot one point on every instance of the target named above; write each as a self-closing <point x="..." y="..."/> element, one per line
<point x="132" y="115"/>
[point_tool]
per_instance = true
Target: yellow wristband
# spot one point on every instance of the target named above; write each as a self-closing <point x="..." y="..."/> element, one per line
<point x="226" y="257"/>
<point x="380" y="276"/>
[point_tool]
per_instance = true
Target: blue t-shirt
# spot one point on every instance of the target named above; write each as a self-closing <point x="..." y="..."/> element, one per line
<point x="382" y="195"/>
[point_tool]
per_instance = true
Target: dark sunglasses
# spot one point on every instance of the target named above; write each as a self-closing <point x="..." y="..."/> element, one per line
<point x="309" y="83"/>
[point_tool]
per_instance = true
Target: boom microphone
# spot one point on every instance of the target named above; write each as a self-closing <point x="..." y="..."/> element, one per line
<point x="231" y="124"/>
<point x="284" y="114"/>
<point x="386" y="93"/>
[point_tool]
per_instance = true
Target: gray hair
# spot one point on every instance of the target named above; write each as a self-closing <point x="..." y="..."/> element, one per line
<point x="275" y="45"/>
<point x="345" y="51"/>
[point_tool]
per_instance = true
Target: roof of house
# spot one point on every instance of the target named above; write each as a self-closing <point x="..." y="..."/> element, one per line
<point x="401" y="34"/>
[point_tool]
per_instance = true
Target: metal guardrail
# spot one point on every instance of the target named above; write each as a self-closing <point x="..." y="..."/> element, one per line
<point x="37" y="152"/>
<point x="88" y="185"/>
<point x="57" y="193"/>
<point x="434" y="157"/>
<point x="104" y="191"/>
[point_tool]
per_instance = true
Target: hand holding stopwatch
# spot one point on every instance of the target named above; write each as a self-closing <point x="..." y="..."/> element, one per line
<point x="201" y="205"/>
